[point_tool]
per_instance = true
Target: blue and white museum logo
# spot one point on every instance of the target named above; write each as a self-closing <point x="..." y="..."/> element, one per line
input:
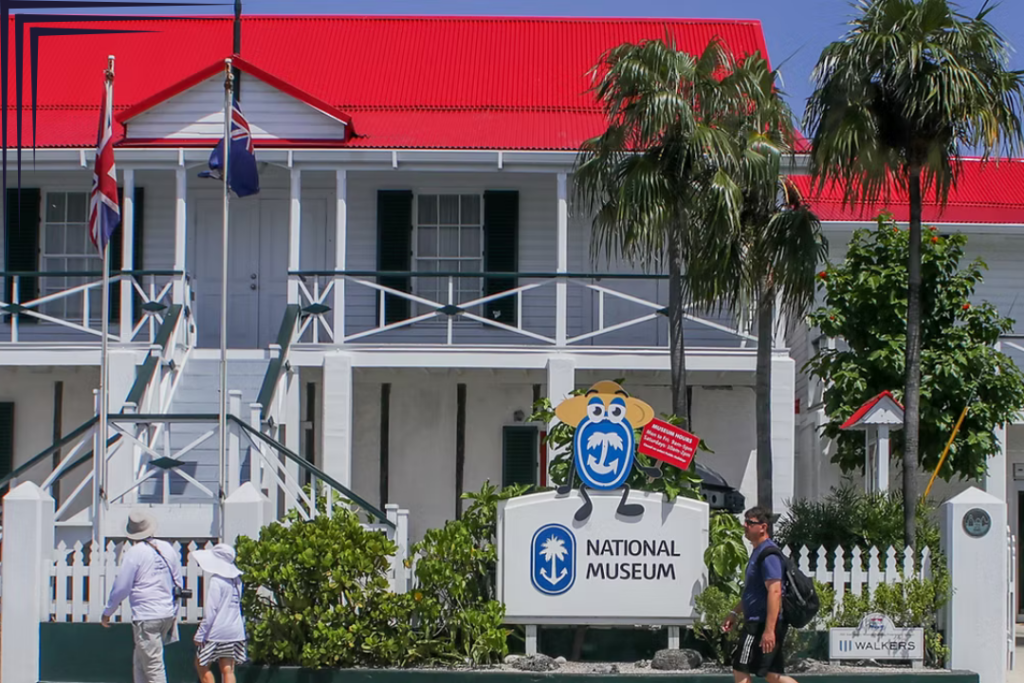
<point x="553" y="559"/>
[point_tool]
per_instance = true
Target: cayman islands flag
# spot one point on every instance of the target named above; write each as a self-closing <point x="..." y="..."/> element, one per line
<point x="104" y="209"/>
<point x="243" y="176"/>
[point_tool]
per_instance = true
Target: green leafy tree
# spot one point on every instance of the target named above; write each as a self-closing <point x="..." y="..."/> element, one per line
<point x="659" y="181"/>
<point x="865" y="297"/>
<point x="897" y="100"/>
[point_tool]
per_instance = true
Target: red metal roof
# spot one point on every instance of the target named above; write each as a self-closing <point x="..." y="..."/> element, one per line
<point x="863" y="410"/>
<point x="407" y="82"/>
<point x="986" y="192"/>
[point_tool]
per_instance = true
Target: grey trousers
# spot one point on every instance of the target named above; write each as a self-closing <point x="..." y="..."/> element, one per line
<point x="150" y="638"/>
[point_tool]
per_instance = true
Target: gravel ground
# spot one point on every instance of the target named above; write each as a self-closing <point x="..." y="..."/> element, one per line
<point x="644" y="668"/>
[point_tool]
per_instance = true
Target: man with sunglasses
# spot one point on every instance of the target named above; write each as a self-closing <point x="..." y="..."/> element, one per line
<point x="759" y="650"/>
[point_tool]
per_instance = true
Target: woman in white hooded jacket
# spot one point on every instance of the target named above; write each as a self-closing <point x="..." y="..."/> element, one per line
<point x="221" y="635"/>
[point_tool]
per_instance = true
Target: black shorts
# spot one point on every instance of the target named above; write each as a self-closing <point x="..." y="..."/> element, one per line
<point x="749" y="659"/>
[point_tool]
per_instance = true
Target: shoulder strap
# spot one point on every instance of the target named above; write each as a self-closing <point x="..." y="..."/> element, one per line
<point x="772" y="550"/>
<point x="166" y="564"/>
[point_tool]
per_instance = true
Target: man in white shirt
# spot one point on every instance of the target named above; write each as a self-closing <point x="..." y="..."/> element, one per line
<point x="149" y="572"/>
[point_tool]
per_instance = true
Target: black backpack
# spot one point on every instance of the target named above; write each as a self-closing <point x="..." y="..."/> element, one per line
<point x="800" y="601"/>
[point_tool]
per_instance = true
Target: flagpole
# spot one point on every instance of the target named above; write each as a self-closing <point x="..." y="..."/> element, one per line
<point x="100" y="460"/>
<point x="228" y="88"/>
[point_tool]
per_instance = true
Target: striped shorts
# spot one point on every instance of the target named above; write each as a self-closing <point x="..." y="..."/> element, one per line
<point x="750" y="659"/>
<point x="210" y="652"/>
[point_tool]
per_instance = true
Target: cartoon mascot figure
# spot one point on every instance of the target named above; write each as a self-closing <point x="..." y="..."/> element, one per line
<point x="603" y="447"/>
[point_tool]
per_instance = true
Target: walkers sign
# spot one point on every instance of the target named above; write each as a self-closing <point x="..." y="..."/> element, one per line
<point x="876" y="638"/>
<point x="606" y="569"/>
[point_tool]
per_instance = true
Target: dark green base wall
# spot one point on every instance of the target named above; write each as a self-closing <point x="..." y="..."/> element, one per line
<point x="89" y="653"/>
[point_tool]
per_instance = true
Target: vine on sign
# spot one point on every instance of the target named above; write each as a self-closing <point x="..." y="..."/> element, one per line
<point x="668" y="443"/>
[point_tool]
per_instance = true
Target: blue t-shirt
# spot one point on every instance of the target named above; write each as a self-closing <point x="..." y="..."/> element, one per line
<point x="755" y="593"/>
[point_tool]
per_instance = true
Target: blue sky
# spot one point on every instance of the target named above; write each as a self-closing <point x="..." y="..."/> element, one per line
<point x="795" y="30"/>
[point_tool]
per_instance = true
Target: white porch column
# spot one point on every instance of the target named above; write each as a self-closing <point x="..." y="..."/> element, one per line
<point x="127" y="254"/>
<point x="561" y="298"/>
<point x="561" y="381"/>
<point x="336" y="447"/>
<point x="882" y="459"/>
<point x="783" y="392"/>
<point x="294" y="233"/>
<point x="180" y="231"/>
<point x="340" y="252"/>
<point x="120" y="467"/>
<point x="27" y="547"/>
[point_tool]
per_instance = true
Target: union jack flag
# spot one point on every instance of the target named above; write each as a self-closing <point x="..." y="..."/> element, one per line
<point x="243" y="175"/>
<point x="104" y="208"/>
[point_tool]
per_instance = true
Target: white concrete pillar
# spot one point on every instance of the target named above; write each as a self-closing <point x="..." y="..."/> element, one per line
<point x="244" y="512"/>
<point x="340" y="252"/>
<point x="995" y="478"/>
<point x="127" y="254"/>
<point x="294" y="233"/>
<point x="561" y="287"/>
<point x="882" y="459"/>
<point x="336" y="434"/>
<point x="978" y="626"/>
<point x="561" y="381"/>
<point x="783" y="394"/>
<point x="27" y="547"/>
<point x="234" y="475"/>
<point x="120" y="467"/>
<point x="180" y="232"/>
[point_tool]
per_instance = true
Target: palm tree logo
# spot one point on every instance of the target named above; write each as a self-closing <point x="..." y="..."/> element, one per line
<point x="554" y="551"/>
<point x="606" y="441"/>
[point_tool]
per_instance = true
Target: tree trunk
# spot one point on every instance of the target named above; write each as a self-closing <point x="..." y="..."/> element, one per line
<point x="677" y="356"/>
<point x="763" y="397"/>
<point x="912" y="390"/>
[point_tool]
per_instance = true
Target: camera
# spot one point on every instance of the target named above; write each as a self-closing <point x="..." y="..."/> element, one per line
<point x="182" y="593"/>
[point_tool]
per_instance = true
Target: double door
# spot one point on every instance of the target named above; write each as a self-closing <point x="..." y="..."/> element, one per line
<point x="257" y="285"/>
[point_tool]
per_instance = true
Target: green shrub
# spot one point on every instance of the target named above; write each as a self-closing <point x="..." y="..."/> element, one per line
<point x="726" y="555"/>
<point x="849" y="518"/>
<point x="455" y="589"/>
<point x="318" y="596"/>
<point x="712" y="606"/>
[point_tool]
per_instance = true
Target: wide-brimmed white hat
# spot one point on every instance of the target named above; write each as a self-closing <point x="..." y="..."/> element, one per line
<point x="219" y="560"/>
<point x="140" y="525"/>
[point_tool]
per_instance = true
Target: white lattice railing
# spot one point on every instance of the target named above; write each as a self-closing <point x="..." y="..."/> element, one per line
<point x="320" y="293"/>
<point x="77" y="307"/>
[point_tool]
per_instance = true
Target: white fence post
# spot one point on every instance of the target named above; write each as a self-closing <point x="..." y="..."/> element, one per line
<point x="404" y="578"/>
<point x="244" y="513"/>
<point x="27" y="552"/>
<point x="974" y="541"/>
<point x="234" y="456"/>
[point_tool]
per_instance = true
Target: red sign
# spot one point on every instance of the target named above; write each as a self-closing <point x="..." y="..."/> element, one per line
<point x="668" y="443"/>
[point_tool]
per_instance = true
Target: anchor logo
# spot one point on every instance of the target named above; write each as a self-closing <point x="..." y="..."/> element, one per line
<point x="553" y="559"/>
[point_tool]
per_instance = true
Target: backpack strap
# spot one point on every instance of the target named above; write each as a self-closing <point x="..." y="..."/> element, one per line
<point x="774" y="550"/>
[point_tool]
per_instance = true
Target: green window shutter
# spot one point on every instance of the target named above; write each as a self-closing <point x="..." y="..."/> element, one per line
<point x="394" y="249"/>
<point x="519" y="453"/>
<point x="140" y="224"/>
<point x="6" y="438"/>
<point x="21" y="245"/>
<point x="501" y="251"/>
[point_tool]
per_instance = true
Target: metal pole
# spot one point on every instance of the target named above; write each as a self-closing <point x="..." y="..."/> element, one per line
<point x="100" y="458"/>
<point x="222" y="423"/>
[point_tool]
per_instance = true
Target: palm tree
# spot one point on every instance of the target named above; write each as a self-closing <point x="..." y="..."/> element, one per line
<point x="773" y="259"/>
<point x="658" y="181"/>
<point x="912" y="85"/>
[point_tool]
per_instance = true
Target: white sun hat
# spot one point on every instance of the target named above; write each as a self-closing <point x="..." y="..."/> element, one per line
<point x="219" y="560"/>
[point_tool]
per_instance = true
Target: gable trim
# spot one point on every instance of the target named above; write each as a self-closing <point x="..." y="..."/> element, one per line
<point x="195" y="79"/>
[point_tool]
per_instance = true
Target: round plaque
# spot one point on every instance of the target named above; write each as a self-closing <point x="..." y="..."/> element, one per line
<point x="977" y="523"/>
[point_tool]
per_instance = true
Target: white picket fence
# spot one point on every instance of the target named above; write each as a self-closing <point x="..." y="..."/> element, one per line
<point x="866" y="571"/>
<point x="78" y="586"/>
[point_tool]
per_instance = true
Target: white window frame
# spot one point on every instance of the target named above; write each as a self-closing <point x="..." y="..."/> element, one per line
<point x="420" y="309"/>
<point x="59" y="308"/>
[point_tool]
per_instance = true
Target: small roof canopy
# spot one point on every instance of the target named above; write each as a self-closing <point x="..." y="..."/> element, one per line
<point x="883" y="409"/>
